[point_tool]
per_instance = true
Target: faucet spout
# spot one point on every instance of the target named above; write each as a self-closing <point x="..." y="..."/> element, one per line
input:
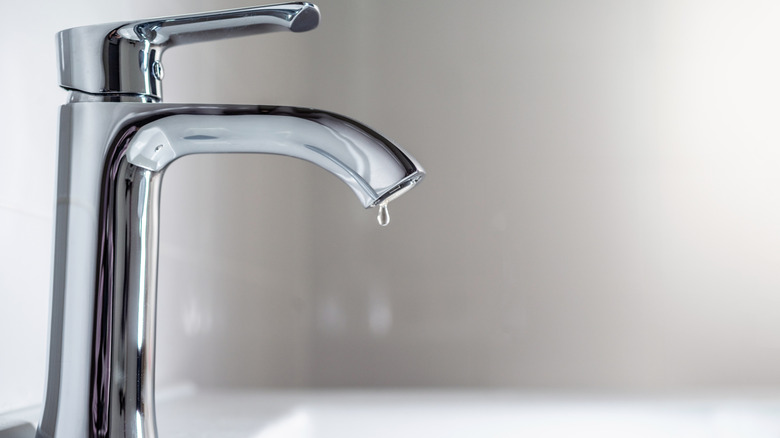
<point x="111" y="162"/>
<point x="370" y="164"/>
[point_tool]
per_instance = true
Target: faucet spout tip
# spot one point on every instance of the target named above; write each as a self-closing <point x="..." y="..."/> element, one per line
<point x="402" y="187"/>
<point x="307" y="19"/>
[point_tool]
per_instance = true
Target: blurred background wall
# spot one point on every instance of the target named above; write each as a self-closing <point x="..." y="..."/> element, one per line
<point x="601" y="210"/>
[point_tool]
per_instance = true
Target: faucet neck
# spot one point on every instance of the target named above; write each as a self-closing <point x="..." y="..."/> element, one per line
<point x="126" y="303"/>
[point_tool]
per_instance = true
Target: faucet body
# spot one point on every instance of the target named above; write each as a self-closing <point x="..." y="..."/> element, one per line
<point x="113" y="152"/>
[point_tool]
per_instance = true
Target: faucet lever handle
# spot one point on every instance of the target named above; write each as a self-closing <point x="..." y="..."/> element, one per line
<point x="124" y="58"/>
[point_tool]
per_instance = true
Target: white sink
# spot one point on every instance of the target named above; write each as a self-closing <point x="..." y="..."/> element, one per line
<point x="198" y="413"/>
<point x="459" y="414"/>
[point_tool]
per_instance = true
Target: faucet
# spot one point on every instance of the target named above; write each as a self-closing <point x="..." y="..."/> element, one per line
<point x="116" y="140"/>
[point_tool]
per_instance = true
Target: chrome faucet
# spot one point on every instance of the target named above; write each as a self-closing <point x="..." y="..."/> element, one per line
<point x="116" y="140"/>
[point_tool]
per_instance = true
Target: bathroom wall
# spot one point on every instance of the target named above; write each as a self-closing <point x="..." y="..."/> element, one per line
<point x="601" y="210"/>
<point x="600" y="213"/>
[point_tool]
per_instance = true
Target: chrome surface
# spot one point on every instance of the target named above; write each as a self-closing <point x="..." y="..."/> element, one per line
<point x="112" y="157"/>
<point x="126" y="57"/>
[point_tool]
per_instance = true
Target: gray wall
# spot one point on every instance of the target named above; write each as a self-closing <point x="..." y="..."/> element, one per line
<point x="601" y="209"/>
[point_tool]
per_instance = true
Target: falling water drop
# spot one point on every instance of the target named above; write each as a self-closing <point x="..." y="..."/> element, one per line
<point x="383" y="217"/>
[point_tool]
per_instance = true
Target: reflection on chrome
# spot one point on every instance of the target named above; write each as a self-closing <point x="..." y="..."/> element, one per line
<point x="116" y="141"/>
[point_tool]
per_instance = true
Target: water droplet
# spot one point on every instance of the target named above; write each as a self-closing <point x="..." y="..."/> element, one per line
<point x="383" y="217"/>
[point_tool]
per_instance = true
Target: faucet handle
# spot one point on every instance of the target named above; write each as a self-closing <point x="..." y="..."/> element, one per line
<point x="123" y="59"/>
